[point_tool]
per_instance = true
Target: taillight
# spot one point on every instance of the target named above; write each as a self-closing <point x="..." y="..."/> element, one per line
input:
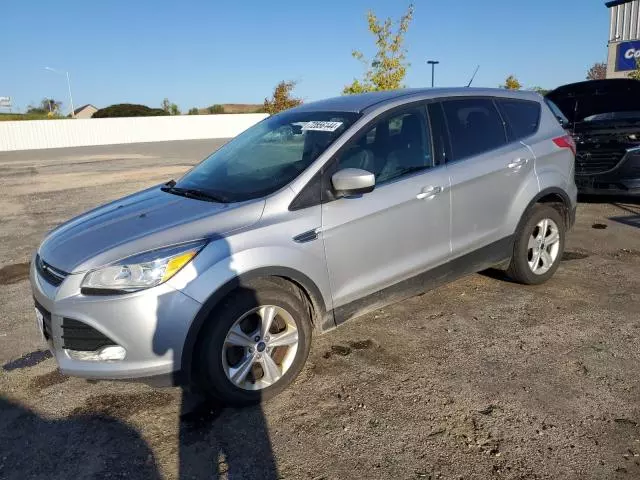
<point x="566" y="141"/>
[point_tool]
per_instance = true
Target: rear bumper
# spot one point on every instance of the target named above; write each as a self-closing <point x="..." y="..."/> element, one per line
<point x="624" y="179"/>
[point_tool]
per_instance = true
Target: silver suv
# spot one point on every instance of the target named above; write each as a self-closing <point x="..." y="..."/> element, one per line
<point x="312" y="217"/>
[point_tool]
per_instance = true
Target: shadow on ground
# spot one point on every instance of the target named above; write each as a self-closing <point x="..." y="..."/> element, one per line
<point x="631" y="216"/>
<point x="80" y="446"/>
<point x="95" y="441"/>
<point x="217" y="442"/>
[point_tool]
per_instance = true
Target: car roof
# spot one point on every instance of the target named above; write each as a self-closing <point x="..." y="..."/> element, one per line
<point x="363" y="101"/>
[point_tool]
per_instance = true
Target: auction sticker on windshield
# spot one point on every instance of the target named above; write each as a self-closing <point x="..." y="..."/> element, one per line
<point x="320" y="126"/>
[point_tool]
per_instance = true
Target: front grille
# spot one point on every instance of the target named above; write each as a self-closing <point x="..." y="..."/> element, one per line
<point x="51" y="274"/>
<point x="80" y="336"/>
<point x="596" y="161"/>
<point x="46" y="320"/>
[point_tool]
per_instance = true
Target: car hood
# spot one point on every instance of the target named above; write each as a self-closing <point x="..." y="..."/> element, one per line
<point x="144" y="221"/>
<point x="581" y="100"/>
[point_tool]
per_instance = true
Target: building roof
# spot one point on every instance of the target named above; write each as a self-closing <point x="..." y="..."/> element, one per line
<point x="79" y="109"/>
<point x="359" y="103"/>
<point x="615" y="3"/>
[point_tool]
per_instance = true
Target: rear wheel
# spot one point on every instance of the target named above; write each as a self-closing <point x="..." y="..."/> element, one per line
<point x="538" y="246"/>
<point x="256" y="343"/>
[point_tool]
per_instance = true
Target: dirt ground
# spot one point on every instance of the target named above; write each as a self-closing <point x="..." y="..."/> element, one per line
<point x="479" y="379"/>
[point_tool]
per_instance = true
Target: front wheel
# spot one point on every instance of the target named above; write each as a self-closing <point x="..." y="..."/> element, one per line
<point x="538" y="246"/>
<point x="256" y="343"/>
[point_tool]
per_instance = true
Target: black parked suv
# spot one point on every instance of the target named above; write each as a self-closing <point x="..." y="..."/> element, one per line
<point x="604" y="118"/>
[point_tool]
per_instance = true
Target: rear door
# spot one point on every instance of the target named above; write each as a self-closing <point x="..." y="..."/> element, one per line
<point x="487" y="170"/>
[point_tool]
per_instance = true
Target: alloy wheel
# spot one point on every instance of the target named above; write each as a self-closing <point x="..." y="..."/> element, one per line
<point x="543" y="246"/>
<point x="260" y="347"/>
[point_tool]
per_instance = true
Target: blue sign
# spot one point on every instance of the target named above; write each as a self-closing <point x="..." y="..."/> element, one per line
<point x="628" y="54"/>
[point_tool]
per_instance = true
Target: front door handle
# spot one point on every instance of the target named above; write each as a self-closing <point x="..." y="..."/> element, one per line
<point x="518" y="163"/>
<point x="429" y="192"/>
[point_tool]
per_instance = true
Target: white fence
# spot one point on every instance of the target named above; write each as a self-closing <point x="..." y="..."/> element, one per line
<point x="38" y="134"/>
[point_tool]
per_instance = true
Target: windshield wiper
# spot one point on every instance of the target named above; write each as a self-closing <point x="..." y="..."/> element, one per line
<point x="194" y="193"/>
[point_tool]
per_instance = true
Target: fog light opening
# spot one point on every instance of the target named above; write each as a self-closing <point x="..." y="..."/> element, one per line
<point x="112" y="353"/>
<point x="106" y="354"/>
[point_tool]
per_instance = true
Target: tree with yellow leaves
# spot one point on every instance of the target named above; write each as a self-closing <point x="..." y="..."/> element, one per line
<point x="635" y="74"/>
<point x="511" y="83"/>
<point x="387" y="69"/>
<point x="281" y="98"/>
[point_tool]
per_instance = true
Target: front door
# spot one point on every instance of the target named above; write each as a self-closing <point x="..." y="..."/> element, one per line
<point x="399" y="230"/>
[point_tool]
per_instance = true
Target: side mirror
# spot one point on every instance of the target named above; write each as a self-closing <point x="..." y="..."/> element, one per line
<point x="353" y="181"/>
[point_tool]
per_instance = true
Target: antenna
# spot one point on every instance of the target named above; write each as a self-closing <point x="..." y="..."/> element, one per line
<point x="473" y="76"/>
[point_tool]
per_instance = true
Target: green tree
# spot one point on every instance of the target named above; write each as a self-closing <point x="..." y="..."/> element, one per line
<point x="387" y="69"/>
<point x="47" y="106"/>
<point x="635" y="74"/>
<point x="281" y="98"/>
<point x="511" y="83"/>
<point x="31" y="110"/>
<point x="597" y="72"/>
<point x="193" y="111"/>
<point x="128" y="110"/>
<point x="170" y="108"/>
<point x="215" y="109"/>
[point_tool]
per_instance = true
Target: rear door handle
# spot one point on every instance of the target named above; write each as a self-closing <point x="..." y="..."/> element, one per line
<point x="429" y="192"/>
<point x="518" y="163"/>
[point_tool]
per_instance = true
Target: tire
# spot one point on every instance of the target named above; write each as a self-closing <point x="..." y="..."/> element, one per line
<point x="244" y="310"/>
<point x="523" y="267"/>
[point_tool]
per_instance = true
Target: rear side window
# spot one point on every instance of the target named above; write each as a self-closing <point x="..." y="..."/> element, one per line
<point x="475" y="126"/>
<point x="562" y="119"/>
<point x="522" y="117"/>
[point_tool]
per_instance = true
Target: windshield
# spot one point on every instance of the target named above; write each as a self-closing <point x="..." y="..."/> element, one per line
<point x="267" y="156"/>
<point x="613" y="116"/>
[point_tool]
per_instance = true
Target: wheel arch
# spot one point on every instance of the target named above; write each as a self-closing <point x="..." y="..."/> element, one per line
<point x="558" y="199"/>
<point x="322" y="319"/>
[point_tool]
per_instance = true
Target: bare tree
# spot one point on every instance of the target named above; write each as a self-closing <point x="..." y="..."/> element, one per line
<point x="597" y="72"/>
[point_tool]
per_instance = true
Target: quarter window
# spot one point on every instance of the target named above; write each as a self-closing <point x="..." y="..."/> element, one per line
<point x="562" y="119"/>
<point x="522" y="117"/>
<point x="475" y="126"/>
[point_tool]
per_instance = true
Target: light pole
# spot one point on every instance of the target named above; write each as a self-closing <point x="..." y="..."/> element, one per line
<point x="433" y="64"/>
<point x="73" y="113"/>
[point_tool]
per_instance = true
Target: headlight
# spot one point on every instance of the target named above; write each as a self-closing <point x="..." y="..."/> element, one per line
<point x="141" y="271"/>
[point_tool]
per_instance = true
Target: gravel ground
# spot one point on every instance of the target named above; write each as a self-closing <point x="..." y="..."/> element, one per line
<point x="479" y="379"/>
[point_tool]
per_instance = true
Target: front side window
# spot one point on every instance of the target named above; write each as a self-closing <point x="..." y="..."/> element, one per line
<point x="475" y="126"/>
<point x="394" y="146"/>
<point x="522" y="116"/>
<point x="267" y="156"/>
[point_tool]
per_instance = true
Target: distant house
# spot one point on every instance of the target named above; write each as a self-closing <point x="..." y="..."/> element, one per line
<point x="85" y="111"/>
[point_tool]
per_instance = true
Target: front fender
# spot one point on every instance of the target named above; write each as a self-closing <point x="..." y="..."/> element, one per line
<point x="201" y="279"/>
<point x="210" y="283"/>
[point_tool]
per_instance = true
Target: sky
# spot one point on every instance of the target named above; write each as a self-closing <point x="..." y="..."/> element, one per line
<point x="199" y="52"/>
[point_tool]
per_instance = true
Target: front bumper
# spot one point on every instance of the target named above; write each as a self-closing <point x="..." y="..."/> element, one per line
<point x="151" y="325"/>
<point x="623" y="179"/>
